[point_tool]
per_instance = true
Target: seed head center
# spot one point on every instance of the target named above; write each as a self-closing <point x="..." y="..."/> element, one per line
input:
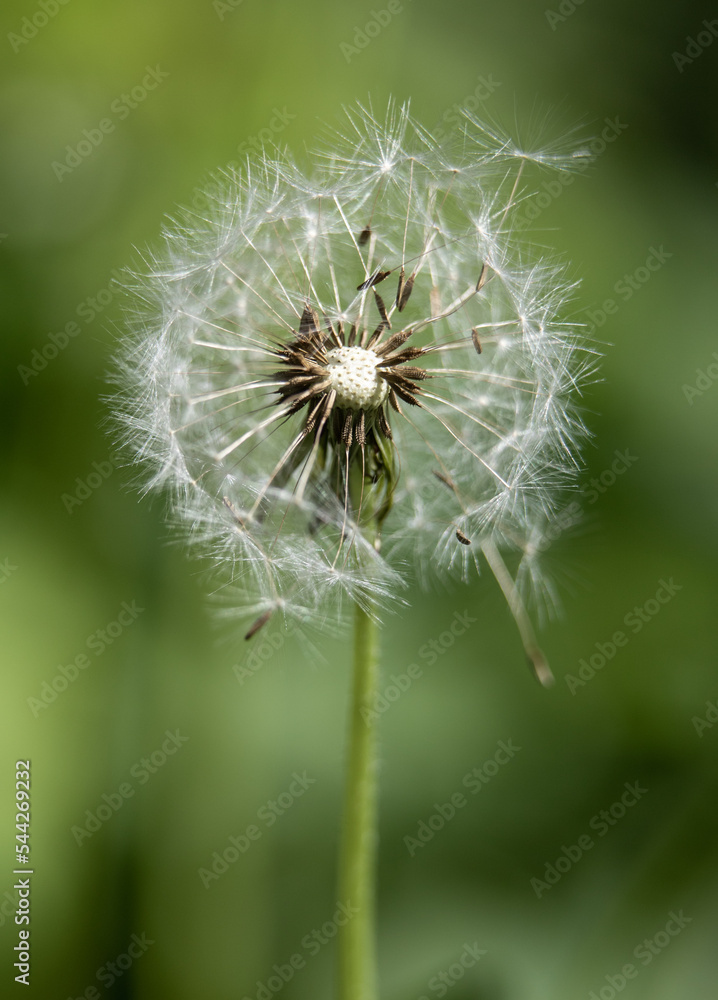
<point x="353" y="374"/>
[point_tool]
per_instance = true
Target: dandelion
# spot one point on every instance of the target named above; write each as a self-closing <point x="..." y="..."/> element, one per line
<point x="353" y="374"/>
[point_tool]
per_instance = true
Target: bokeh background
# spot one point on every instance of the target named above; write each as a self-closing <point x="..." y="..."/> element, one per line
<point x="77" y="542"/>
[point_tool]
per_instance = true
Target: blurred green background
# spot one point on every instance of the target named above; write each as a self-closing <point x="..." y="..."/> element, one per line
<point x="72" y="552"/>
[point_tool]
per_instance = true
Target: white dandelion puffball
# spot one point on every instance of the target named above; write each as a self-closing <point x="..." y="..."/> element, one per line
<point x="352" y="372"/>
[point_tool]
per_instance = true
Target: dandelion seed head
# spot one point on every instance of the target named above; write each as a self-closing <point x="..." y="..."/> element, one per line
<point x="352" y="371"/>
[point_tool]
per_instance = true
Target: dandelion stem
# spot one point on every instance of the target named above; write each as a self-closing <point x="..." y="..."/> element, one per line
<point x="357" y="859"/>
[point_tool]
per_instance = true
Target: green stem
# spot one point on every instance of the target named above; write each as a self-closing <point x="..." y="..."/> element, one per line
<point x="357" y="859"/>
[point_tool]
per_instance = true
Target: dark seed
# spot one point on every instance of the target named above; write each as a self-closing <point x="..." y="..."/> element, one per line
<point x="314" y="415"/>
<point x="476" y="341"/>
<point x="408" y="354"/>
<point x="309" y="323"/>
<point x="376" y="335"/>
<point x="405" y="391"/>
<point x="347" y="431"/>
<point x="364" y="236"/>
<point x="374" y="279"/>
<point x="262" y="620"/>
<point x="415" y="374"/>
<point x="360" y="430"/>
<point x="382" y="309"/>
<point x="383" y="424"/>
<point x="396" y="340"/>
<point x="462" y="537"/>
<point x="402" y="297"/>
<point x="445" y="480"/>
